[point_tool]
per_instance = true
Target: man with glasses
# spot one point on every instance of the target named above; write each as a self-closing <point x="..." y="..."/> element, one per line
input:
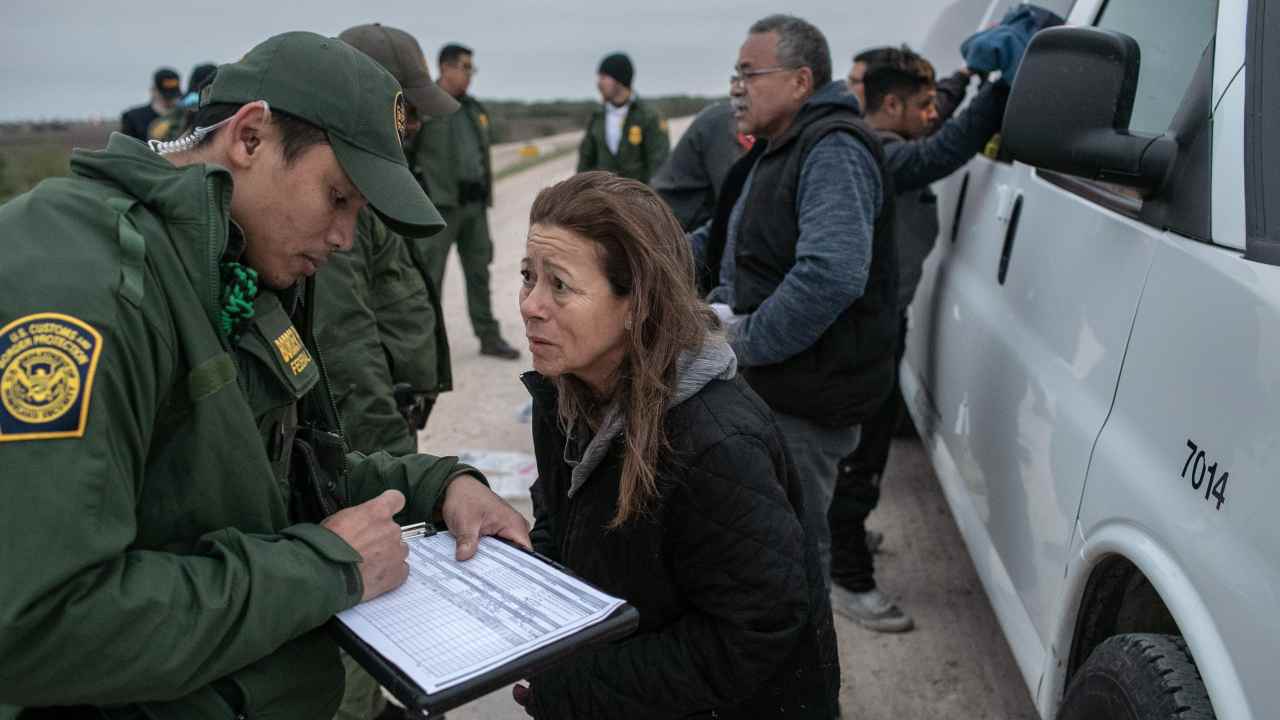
<point x="624" y="135"/>
<point x="451" y="159"/>
<point x="799" y="259"/>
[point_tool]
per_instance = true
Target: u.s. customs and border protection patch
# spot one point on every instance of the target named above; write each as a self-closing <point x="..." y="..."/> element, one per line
<point x="47" y="364"/>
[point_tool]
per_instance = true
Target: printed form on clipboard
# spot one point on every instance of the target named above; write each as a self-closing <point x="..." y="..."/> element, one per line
<point x="456" y="630"/>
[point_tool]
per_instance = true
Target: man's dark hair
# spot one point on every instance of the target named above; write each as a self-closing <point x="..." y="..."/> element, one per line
<point x="902" y="72"/>
<point x="800" y="44"/>
<point x="296" y="134"/>
<point x="875" y="55"/>
<point x="452" y="53"/>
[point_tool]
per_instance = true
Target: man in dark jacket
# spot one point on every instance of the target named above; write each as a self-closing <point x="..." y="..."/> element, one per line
<point x="949" y="91"/>
<point x="900" y="105"/>
<point x="691" y="177"/>
<point x="177" y="121"/>
<point x="799" y="258"/>
<point x="624" y="135"/>
<point x="166" y="88"/>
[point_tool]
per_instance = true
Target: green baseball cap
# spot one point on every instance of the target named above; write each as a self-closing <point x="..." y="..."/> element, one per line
<point x="358" y="104"/>
<point x="398" y="52"/>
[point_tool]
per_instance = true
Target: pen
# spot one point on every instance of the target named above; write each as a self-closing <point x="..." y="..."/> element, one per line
<point x="416" y="530"/>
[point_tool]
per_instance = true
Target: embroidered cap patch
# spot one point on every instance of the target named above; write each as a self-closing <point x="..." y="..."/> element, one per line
<point x="47" y="363"/>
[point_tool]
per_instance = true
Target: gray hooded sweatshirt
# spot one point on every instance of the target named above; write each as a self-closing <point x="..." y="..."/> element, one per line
<point x="713" y="361"/>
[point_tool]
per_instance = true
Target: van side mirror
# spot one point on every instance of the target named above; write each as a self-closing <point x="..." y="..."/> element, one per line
<point x="1070" y="106"/>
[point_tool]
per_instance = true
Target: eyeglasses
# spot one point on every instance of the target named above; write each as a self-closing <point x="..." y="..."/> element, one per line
<point x="465" y="67"/>
<point x="741" y="77"/>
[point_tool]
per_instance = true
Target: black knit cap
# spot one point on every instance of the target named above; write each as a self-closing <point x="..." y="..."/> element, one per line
<point x="618" y="66"/>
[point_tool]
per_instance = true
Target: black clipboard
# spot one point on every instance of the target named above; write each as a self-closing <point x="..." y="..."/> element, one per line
<point x="619" y="624"/>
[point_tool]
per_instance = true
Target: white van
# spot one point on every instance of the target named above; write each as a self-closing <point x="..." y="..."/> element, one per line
<point x="1090" y="358"/>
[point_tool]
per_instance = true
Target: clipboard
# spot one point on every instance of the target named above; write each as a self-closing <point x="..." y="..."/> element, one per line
<point x="622" y="622"/>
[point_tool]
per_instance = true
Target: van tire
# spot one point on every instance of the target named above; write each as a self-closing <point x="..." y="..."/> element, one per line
<point x="1139" y="676"/>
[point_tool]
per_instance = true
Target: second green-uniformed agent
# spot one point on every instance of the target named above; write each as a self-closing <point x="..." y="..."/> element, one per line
<point x="181" y="515"/>
<point x="379" y="321"/>
<point x="624" y="136"/>
<point x="451" y="158"/>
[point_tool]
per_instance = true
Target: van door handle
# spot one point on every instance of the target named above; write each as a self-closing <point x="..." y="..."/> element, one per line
<point x="1010" y="232"/>
<point x="955" y="221"/>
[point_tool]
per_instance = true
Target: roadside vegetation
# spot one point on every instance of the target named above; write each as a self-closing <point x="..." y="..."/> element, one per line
<point x="31" y="152"/>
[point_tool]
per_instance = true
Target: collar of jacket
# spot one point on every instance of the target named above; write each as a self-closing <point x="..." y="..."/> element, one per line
<point x="694" y="370"/>
<point x="193" y="202"/>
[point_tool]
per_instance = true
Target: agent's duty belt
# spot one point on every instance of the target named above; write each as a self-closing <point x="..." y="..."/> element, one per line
<point x="472" y="192"/>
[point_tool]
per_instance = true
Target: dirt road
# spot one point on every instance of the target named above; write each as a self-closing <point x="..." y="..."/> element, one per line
<point x="955" y="664"/>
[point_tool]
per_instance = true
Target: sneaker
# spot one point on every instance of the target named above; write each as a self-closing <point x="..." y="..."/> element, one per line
<point x="872" y="610"/>
<point x="497" y="347"/>
<point x="875" y="539"/>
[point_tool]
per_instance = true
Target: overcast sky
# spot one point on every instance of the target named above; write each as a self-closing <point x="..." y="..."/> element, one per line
<point x="76" y="59"/>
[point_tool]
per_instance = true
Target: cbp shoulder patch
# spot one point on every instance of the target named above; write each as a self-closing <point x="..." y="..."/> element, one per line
<point x="47" y="364"/>
<point x="484" y="121"/>
<point x="634" y="135"/>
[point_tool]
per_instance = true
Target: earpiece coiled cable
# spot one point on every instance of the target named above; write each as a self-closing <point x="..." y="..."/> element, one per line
<point x="193" y="138"/>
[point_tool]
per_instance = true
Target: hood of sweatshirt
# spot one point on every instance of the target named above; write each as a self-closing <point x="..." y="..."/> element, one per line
<point x="694" y="371"/>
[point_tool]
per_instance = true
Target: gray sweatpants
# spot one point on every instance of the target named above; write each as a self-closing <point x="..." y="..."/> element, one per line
<point x="815" y="452"/>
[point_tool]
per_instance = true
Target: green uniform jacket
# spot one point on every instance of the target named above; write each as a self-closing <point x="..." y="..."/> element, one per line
<point x="642" y="150"/>
<point x="380" y="325"/>
<point x="148" y="550"/>
<point x="433" y="155"/>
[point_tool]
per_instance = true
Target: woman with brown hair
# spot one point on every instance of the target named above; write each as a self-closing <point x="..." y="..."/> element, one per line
<point x="661" y="477"/>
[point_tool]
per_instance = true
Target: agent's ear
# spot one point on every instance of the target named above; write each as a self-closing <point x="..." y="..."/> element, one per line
<point x="245" y="133"/>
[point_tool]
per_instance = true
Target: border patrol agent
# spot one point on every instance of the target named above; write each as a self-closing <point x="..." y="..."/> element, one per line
<point x="379" y="321"/>
<point x="624" y="135"/>
<point x="379" y="316"/>
<point x="450" y="156"/>
<point x="181" y="515"/>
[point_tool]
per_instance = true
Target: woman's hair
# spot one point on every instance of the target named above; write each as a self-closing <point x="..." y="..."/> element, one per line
<point x="646" y="257"/>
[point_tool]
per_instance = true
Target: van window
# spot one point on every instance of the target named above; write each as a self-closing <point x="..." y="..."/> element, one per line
<point x="1171" y="35"/>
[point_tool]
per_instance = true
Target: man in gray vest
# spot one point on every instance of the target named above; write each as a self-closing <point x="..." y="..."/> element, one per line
<point x="799" y="259"/>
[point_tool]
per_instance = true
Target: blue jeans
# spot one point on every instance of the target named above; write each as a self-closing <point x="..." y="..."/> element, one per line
<point x="816" y="451"/>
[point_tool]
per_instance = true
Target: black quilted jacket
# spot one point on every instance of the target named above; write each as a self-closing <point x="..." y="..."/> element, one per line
<point x="733" y="619"/>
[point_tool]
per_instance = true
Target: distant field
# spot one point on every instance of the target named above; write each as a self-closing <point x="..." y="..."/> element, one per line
<point x="31" y="152"/>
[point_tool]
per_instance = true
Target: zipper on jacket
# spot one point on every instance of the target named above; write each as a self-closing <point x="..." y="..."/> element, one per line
<point x="217" y="246"/>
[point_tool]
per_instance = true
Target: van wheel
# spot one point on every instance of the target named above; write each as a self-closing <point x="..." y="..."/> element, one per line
<point x="1139" y="676"/>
